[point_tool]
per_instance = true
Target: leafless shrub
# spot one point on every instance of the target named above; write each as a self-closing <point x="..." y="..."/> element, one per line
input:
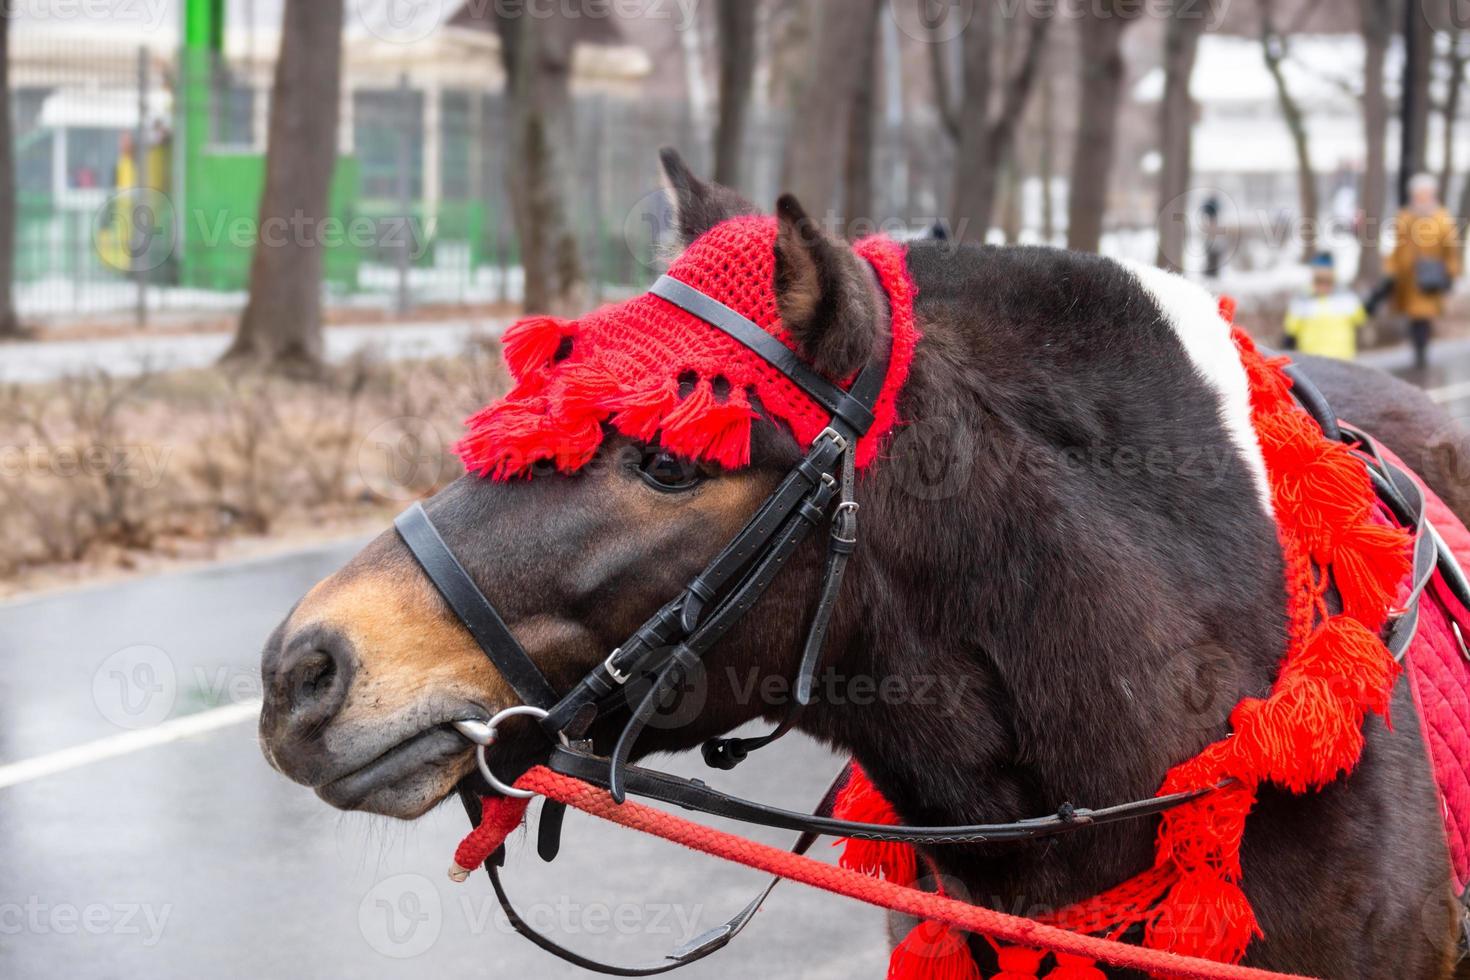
<point x="102" y="468"/>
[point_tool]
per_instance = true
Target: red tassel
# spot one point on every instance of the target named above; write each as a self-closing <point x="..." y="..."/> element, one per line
<point x="860" y="802"/>
<point x="1351" y="659"/>
<point x="1017" y="962"/>
<point x="584" y="389"/>
<point x="934" y="951"/>
<point x="1204" y="916"/>
<point x="1369" y="562"/>
<point x="701" y="427"/>
<point x="529" y="345"/>
<point x="504" y="439"/>
<point x="640" y="413"/>
<point x="1072" y="967"/>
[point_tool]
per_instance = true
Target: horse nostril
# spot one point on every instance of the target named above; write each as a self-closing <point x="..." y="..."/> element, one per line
<point x="310" y="681"/>
<point x="313" y="675"/>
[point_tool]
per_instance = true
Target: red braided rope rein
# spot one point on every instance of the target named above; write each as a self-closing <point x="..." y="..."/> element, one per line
<point x="502" y="815"/>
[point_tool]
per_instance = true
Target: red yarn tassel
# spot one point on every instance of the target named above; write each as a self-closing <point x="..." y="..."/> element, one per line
<point x="1369" y="562"/>
<point x="1072" y="967"/>
<point x="640" y="413"/>
<point x="860" y="802"/>
<point x="935" y="951"/>
<point x="1017" y="962"/>
<point x="701" y="427"/>
<point x="529" y="345"/>
<point x="1204" y="915"/>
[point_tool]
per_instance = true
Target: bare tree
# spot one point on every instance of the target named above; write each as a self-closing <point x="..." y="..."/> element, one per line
<point x="1100" y="87"/>
<point x="1375" y="23"/>
<point x="1046" y="151"/>
<point x="817" y="147"/>
<point x="857" y="176"/>
<point x="1456" y="58"/>
<point x="1274" y="50"/>
<point x="984" y="139"/>
<point x="281" y="328"/>
<point x="1418" y="62"/>
<point x="736" y="21"/>
<point x="537" y="52"/>
<point x="9" y="323"/>
<point x="1187" y="22"/>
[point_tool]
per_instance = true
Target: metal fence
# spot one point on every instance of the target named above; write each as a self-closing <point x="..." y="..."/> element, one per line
<point x="139" y="176"/>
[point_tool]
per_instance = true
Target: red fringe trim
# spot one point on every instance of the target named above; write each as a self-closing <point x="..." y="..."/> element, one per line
<point x="861" y="802"/>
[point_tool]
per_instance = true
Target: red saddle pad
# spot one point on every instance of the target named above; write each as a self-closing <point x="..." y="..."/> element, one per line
<point x="1439" y="675"/>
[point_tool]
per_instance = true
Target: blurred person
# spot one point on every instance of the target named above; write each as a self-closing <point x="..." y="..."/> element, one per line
<point x="1325" y="322"/>
<point x="1424" y="263"/>
<point x="1214" y="243"/>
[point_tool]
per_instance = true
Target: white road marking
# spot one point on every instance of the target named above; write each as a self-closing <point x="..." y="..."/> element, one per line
<point x="1450" y="393"/>
<point x="125" y="743"/>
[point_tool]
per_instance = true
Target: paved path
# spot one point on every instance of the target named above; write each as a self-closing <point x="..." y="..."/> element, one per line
<point x="183" y="855"/>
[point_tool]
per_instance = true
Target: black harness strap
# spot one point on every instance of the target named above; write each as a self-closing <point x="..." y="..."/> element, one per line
<point x="696" y="796"/>
<point x="472" y="608"/>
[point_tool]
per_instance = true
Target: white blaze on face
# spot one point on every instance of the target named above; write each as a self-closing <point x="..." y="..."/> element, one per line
<point x="1195" y="318"/>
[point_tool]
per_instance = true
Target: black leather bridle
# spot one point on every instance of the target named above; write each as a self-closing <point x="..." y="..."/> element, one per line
<point x="820" y="487"/>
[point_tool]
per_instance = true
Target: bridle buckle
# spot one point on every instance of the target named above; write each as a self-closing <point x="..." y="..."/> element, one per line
<point x="838" y="438"/>
<point x="619" y="677"/>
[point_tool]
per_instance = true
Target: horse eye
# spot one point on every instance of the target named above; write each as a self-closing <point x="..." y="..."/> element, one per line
<point x="667" y="472"/>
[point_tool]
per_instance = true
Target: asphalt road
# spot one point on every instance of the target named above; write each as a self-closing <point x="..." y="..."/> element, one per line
<point x="142" y="834"/>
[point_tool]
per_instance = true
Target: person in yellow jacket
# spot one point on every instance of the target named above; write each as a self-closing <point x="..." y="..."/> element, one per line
<point x="1326" y="321"/>
<point x="1424" y="263"/>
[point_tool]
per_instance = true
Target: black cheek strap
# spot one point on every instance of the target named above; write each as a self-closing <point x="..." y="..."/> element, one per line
<point x="472" y="608"/>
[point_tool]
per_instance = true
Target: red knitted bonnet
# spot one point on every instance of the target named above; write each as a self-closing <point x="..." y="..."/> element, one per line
<point x="656" y="373"/>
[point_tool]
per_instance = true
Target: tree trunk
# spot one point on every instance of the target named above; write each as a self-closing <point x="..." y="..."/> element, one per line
<point x="817" y="146"/>
<point x="1100" y="88"/>
<point x="1375" y="23"/>
<point x="1176" y="119"/>
<point x="975" y="179"/>
<point x="1455" y="60"/>
<point x="857" y="180"/>
<point x="1011" y="180"/>
<point x="1273" y="49"/>
<point x="985" y="144"/>
<point x="537" y="52"/>
<point x="1046" y="153"/>
<point x="281" y="328"/>
<point x="1417" y="78"/>
<point x="9" y="323"/>
<point x="736" y="34"/>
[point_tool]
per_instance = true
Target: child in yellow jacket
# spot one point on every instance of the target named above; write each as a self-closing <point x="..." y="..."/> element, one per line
<point x="1326" y="321"/>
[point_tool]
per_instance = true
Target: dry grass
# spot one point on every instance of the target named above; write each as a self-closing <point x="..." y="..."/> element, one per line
<point x="101" y="470"/>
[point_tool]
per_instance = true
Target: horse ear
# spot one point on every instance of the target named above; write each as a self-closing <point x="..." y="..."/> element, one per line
<point x="825" y="296"/>
<point x="697" y="206"/>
